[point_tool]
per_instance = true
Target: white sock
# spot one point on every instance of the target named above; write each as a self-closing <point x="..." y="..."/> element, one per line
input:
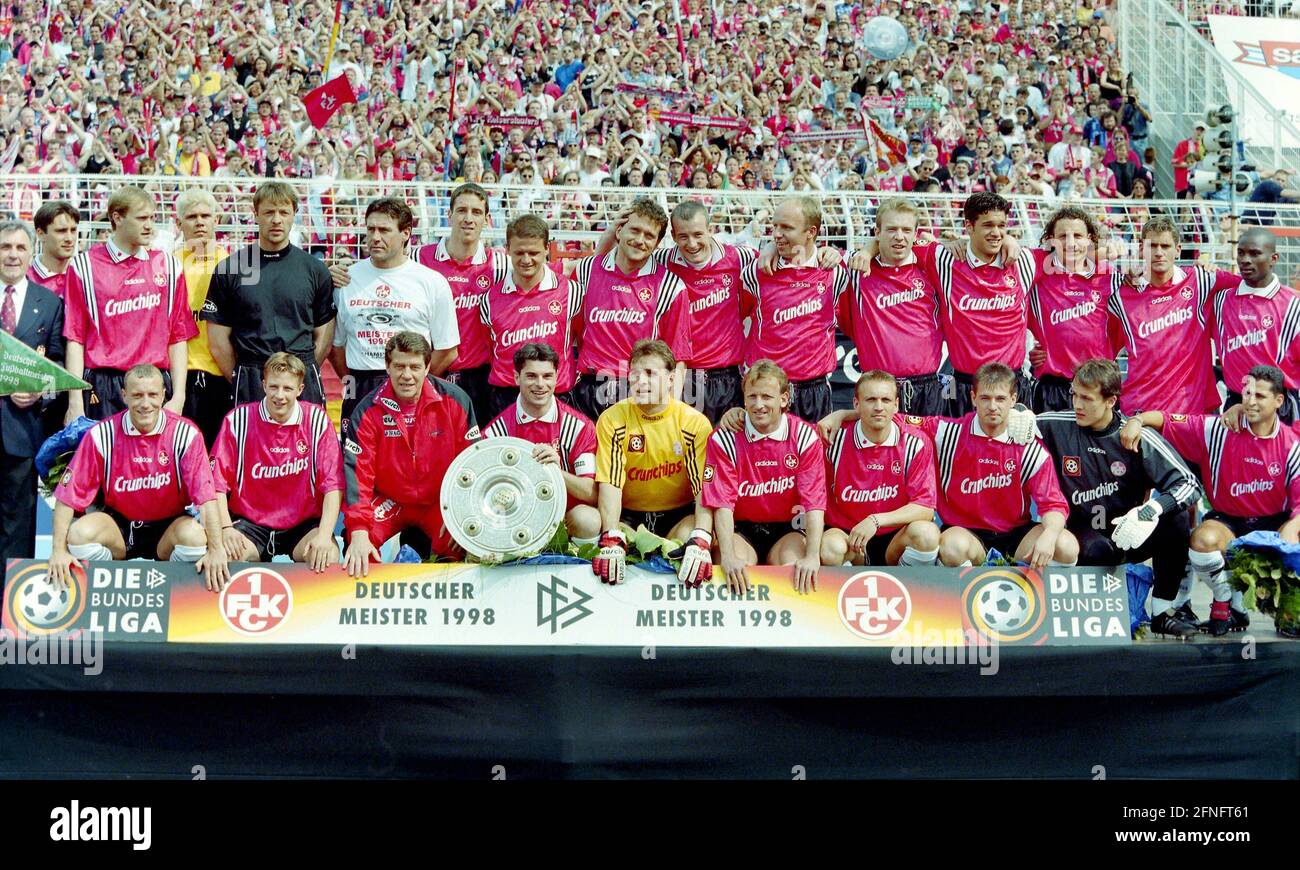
<point x="92" y="552"/>
<point x="1052" y="563"/>
<point x="1238" y="601"/>
<point x="1184" y="590"/>
<point x="1161" y="605"/>
<point x="965" y="564"/>
<point x="1209" y="570"/>
<point x="182" y="553"/>
<point x="583" y="541"/>
<point x="913" y="556"/>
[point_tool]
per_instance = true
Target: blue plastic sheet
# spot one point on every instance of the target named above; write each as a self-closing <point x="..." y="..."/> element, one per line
<point x="1290" y="553"/>
<point x="61" y="442"/>
<point x="1140" y="579"/>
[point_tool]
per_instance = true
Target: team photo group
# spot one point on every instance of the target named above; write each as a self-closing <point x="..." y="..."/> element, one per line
<point x="678" y="381"/>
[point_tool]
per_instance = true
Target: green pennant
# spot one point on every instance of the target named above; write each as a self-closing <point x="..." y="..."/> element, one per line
<point x="23" y="370"/>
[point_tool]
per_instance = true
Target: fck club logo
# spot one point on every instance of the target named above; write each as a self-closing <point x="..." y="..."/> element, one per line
<point x="791" y="460"/>
<point x="874" y="605"/>
<point x="554" y="307"/>
<point x="644" y="294"/>
<point x="328" y="102"/>
<point x="256" y="601"/>
<point x="483" y="282"/>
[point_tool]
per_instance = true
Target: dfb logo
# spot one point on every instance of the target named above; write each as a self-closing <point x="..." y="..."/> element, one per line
<point x="256" y="601"/>
<point x="874" y="605"/>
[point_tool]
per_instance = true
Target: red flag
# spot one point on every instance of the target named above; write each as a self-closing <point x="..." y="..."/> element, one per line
<point x="895" y="150"/>
<point x="323" y="102"/>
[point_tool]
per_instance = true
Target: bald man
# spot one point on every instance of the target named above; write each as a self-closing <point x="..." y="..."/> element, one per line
<point x="1258" y="323"/>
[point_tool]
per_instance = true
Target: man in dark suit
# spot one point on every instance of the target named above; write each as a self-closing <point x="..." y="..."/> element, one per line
<point x="33" y="315"/>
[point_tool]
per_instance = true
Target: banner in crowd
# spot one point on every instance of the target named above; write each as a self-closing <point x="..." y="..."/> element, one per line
<point x="647" y="91"/>
<point x="503" y="120"/>
<point x="824" y="135"/>
<point x="543" y="605"/>
<point x="1266" y="52"/>
<point x="686" y="119"/>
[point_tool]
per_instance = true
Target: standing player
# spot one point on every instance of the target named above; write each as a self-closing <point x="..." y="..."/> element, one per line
<point x="148" y="464"/>
<point x="207" y="392"/>
<point x="470" y="268"/>
<point x="764" y="489"/>
<point x="125" y="306"/>
<point x="269" y="297"/>
<point x="1251" y="476"/>
<point x="402" y="438"/>
<point x="562" y="435"/>
<point x="987" y="480"/>
<point x="1067" y="305"/>
<point x="278" y="474"/>
<point x="882" y="484"/>
<point x="387" y="294"/>
<point x="1258" y="323"/>
<point x="531" y="304"/>
<point x="794" y="308"/>
<point x="625" y="297"/>
<point x="1106" y="487"/>
<point x="982" y="297"/>
<point x="1163" y="323"/>
<point x="891" y="313"/>
<point x="56" y="230"/>
<point x="650" y="453"/>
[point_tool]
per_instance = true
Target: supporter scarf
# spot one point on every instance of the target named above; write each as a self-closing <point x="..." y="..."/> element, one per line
<point x="686" y="119"/>
<point x="661" y="93"/>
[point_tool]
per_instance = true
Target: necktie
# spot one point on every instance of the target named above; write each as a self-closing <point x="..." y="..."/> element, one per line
<point x="9" y="311"/>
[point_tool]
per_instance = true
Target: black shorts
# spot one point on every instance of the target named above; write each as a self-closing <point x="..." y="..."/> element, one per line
<point x="810" y="400"/>
<point x="141" y="537"/>
<point x="247" y="386"/>
<point x="595" y="394"/>
<point x="104" y="398"/>
<point x="359" y="384"/>
<point x="475" y="384"/>
<point x="713" y="392"/>
<point x="1242" y="526"/>
<point x="274" y="542"/>
<point x="1051" y="393"/>
<point x="960" y="403"/>
<point x="207" y="402"/>
<point x="1288" y="413"/>
<point x="659" y="522"/>
<point x="763" y="536"/>
<point x="924" y="395"/>
<point x="1004" y="542"/>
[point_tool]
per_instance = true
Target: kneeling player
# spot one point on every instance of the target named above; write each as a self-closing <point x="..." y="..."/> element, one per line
<point x="562" y="435"/>
<point x="1252" y="478"/>
<point x="765" y="488"/>
<point x="881" y="502"/>
<point x="402" y="438"/>
<point x="279" y="473"/>
<point x="150" y="464"/>
<point x="650" y="453"/>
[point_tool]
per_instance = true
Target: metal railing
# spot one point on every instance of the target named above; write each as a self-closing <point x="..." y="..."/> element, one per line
<point x="1195" y="11"/>
<point x="1180" y="75"/>
<point x="330" y="215"/>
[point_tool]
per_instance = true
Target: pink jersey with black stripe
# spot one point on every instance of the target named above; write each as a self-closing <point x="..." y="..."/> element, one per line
<point x="766" y="478"/>
<point x="1244" y="475"/>
<point x="55" y="282"/>
<point x="988" y="483"/>
<point x="892" y="316"/>
<point x="794" y="317"/>
<point x="714" y="303"/>
<point x="144" y="475"/>
<point x="616" y="311"/>
<point x="277" y="475"/>
<point x="126" y="309"/>
<point x="1257" y="326"/>
<point x="1067" y="315"/>
<point x="1166" y="331"/>
<point x="571" y="434"/>
<point x="865" y="478"/>
<point x="469" y="282"/>
<point x="982" y="306"/>
<point x="515" y="317"/>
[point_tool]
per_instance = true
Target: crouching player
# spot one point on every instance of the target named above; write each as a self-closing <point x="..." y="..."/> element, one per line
<point x="880" y="508"/>
<point x="764" y="490"/>
<point x="279" y="473"/>
<point x="562" y="435"/>
<point x="403" y="436"/>
<point x="1251" y="476"/>
<point x="150" y="464"/>
<point x="650" y="453"/>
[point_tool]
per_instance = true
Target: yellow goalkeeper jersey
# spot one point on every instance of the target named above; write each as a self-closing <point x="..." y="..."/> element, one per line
<point x="657" y="461"/>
